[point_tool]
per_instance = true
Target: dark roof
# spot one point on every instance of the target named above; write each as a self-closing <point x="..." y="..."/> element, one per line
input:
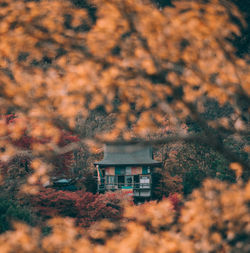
<point x="127" y="154"/>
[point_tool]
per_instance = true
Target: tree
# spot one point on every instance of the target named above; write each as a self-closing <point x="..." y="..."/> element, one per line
<point x="84" y="207"/>
<point x="10" y="211"/>
<point x="205" y="224"/>
<point x="139" y="64"/>
<point x="139" y="68"/>
<point x="17" y="169"/>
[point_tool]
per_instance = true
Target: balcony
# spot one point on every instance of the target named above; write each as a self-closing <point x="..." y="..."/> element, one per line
<point x="139" y="189"/>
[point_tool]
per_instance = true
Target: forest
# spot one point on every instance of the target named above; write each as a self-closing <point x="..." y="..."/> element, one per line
<point x="77" y="74"/>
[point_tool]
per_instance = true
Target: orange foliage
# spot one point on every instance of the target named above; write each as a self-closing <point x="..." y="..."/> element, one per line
<point x="215" y="219"/>
<point x="140" y="63"/>
<point x="50" y="71"/>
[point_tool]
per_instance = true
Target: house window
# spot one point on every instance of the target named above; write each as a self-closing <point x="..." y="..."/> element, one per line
<point x="128" y="180"/>
<point x="136" y="181"/>
<point x="110" y="179"/>
<point x="121" y="181"/>
<point x="145" y="170"/>
<point x="144" y="181"/>
<point x="128" y="171"/>
<point x="119" y="170"/>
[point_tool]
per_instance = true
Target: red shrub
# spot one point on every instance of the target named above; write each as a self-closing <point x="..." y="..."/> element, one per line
<point x="175" y="200"/>
<point x="85" y="207"/>
<point x="62" y="163"/>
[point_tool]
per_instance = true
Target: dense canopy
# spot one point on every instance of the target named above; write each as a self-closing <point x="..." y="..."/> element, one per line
<point x="147" y="67"/>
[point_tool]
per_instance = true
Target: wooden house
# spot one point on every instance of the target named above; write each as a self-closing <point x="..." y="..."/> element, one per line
<point x="127" y="167"/>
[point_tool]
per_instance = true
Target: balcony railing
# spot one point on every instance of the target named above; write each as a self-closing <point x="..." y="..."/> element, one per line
<point x="117" y="186"/>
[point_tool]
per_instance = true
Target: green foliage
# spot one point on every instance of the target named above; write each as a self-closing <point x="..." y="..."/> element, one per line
<point x="193" y="163"/>
<point x="10" y="211"/>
